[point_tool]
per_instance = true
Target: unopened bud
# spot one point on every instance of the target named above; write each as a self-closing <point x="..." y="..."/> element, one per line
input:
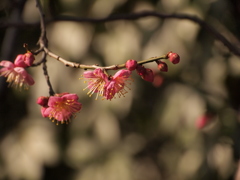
<point x="29" y="58"/>
<point x="173" y="57"/>
<point x="19" y="61"/>
<point x="43" y="101"/>
<point x="162" y="66"/>
<point x="148" y="76"/>
<point x="140" y="70"/>
<point x="131" y="64"/>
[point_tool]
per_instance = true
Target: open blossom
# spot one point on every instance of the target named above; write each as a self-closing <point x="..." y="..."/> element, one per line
<point x="107" y="86"/>
<point x="96" y="81"/>
<point x="117" y="84"/>
<point x="16" y="76"/>
<point x="60" y="107"/>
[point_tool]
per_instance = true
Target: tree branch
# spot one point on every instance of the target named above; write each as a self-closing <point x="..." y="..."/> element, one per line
<point x="134" y="16"/>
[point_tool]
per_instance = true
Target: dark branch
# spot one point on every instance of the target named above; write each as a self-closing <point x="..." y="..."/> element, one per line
<point x="134" y="16"/>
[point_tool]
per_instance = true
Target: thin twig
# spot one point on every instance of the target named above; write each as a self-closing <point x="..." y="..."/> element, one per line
<point x="43" y="42"/>
<point x="112" y="67"/>
<point x="44" y="64"/>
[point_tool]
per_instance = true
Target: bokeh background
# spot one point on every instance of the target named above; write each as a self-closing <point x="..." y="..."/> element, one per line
<point x="156" y="132"/>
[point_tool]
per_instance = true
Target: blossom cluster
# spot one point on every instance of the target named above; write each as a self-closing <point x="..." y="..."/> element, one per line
<point x="107" y="86"/>
<point x="62" y="107"/>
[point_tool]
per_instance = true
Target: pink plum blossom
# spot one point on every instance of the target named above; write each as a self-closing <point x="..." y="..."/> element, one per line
<point x="16" y="76"/>
<point x="96" y="81"/>
<point x="60" y="107"/>
<point x="117" y="84"/>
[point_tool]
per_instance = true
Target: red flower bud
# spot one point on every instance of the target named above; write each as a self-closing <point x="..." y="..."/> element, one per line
<point x="24" y="60"/>
<point x="173" y="57"/>
<point x="145" y="73"/>
<point x="148" y="76"/>
<point x="43" y="101"/>
<point x="140" y="70"/>
<point x="131" y="64"/>
<point x="29" y="58"/>
<point x="19" y="61"/>
<point x="162" y="66"/>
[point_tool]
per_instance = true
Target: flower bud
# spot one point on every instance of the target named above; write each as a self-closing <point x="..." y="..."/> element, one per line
<point x="28" y="58"/>
<point x="148" y="76"/>
<point x="43" y="101"/>
<point x="140" y="70"/>
<point x="19" y="61"/>
<point x="131" y="64"/>
<point x="162" y="66"/>
<point x="173" y="57"/>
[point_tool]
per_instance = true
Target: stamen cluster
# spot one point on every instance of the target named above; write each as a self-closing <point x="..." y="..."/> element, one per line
<point x="107" y="86"/>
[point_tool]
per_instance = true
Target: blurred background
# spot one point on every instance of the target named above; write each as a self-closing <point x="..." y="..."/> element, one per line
<point x="183" y="126"/>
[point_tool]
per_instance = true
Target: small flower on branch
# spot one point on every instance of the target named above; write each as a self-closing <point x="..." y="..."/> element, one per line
<point x="162" y="66"/>
<point x="24" y="60"/>
<point x="107" y="86"/>
<point x="96" y="81"/>
<point x="145" y="73"/>
<point x="173" y="57"/>
<point x="117" y="84"/>
<point x="15" y="73"/>
<point x="16" y="76"/>
<point x="131" y="64"/>
<point x="60" y="107"/>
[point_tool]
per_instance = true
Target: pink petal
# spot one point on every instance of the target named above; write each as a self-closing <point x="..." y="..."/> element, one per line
<point x="7" y="64"/>
<point x="122" y="73"/>
<point x="45" y="111"/>
<point x="53" y="99"/>
<point x="70" y="97"/>
<point x="29" y="58"/>
<point x="89" y="74"/>
<point x="27" y="78"/>
<point x="19" y="61"/>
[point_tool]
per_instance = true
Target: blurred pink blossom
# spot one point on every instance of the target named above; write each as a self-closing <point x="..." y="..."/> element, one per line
<point x="16" y="76"/>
